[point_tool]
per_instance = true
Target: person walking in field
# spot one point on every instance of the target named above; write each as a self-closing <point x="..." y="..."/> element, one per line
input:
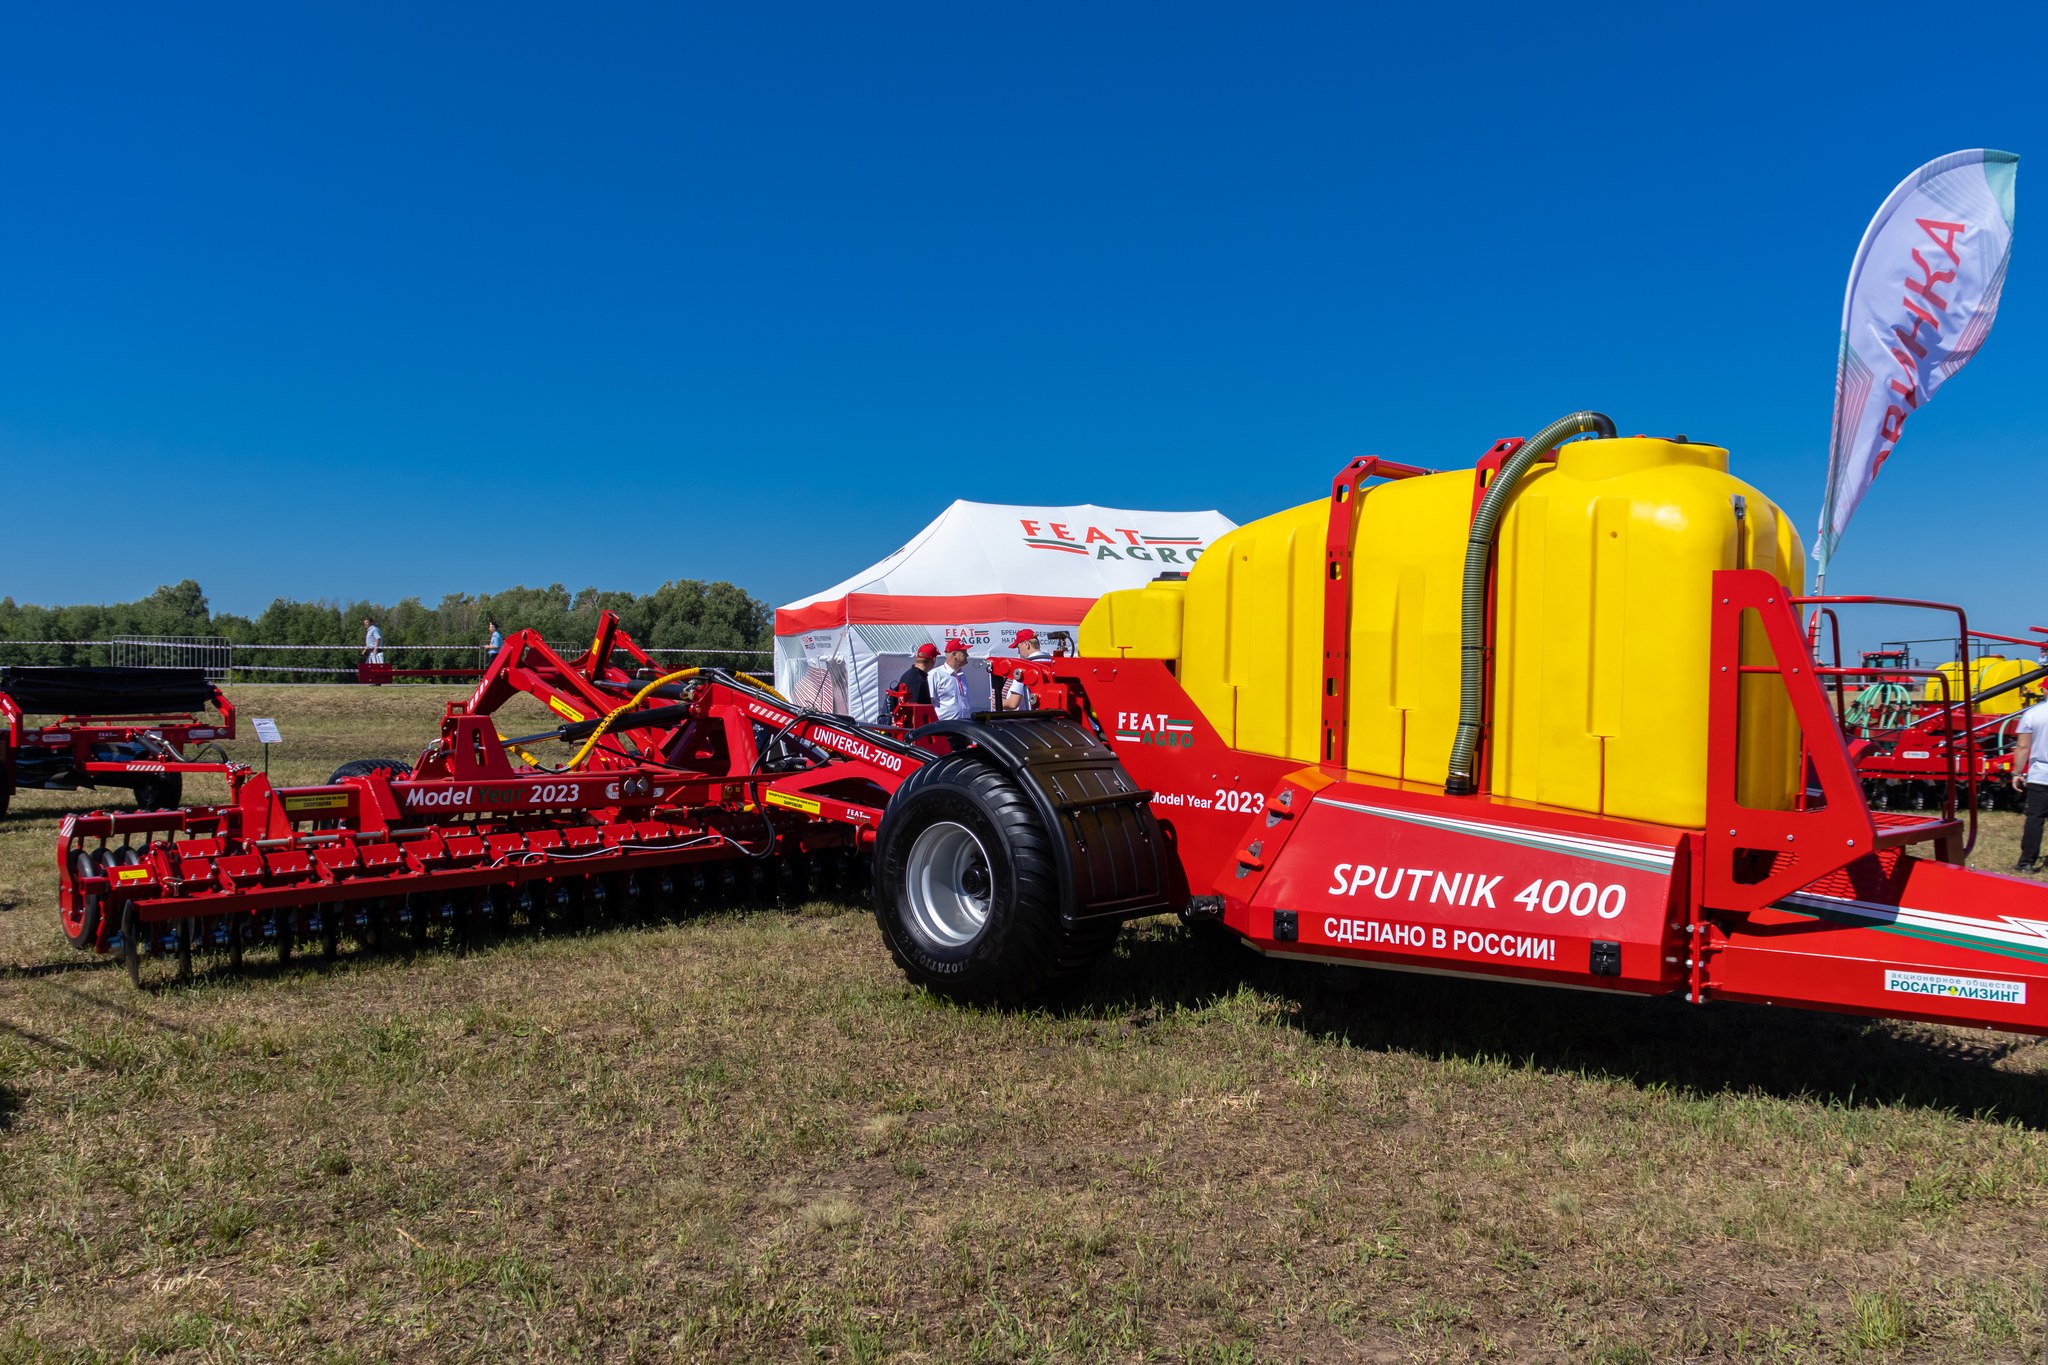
<point x="951" y="697"/>
<point x="373" y="642"/>
<point x="2030" y="776"/>
<point x="497" y="641"/>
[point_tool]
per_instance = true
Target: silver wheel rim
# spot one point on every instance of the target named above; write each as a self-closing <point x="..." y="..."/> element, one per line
<point x="948" y="882"/>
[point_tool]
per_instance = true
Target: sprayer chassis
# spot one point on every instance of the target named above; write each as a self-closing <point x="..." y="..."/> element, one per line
<point x="1820" y="907"/>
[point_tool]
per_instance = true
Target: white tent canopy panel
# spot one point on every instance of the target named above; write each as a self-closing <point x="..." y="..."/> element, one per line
<point x="980" y="572"/>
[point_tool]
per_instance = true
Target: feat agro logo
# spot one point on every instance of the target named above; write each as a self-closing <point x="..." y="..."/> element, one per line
<point x="1059" y="535"/>
<point x="1147" y="727"/>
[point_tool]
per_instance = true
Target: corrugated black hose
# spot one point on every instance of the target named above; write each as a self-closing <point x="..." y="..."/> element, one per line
<point x="1463" y="781"/>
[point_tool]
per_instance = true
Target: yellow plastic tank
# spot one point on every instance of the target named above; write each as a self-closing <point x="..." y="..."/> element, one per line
<point x="1985" y="674"/>
<point x="1601" y="631"/>
<point x="1933" y="690"/>
<point x="1996" y="670"/>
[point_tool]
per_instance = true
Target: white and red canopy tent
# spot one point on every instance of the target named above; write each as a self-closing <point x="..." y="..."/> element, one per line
<point x="981" y="572"/>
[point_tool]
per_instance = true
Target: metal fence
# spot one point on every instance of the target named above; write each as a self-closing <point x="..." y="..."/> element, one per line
<point x="213" y="653"/>
<point x="225" y="661"/>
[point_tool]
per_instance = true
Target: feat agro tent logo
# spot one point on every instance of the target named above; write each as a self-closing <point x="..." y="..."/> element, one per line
<point x="1097" y="545"/>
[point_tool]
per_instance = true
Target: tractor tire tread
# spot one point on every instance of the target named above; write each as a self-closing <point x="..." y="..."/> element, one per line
<point x="1041" y="953"/>
<point x="359" y="767"/>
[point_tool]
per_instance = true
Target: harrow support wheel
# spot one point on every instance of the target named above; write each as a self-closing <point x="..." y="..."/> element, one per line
<point x="287" y="921"/>
<point x="330" y="930"/>
<point x="503" y="898"/>
<point x="358" y="767"/>
<point x="967" y="889"/>
<point x="131" y="942"/>
<point x="82" y="925"/>
<point x="159" y="791"/>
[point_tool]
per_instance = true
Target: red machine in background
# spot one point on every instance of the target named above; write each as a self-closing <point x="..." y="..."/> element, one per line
<point x="1006" y="850"/>
<point x="1910" y="747"/>
<point x="110" y="727"/>
<point x="379" y="675"/>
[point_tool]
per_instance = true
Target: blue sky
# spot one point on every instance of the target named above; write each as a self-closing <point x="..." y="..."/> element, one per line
<point x="386" y="301"/>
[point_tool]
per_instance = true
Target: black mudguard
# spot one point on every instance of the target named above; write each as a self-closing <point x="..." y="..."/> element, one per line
<point x="107" y="691"/>
<point x="1115" y="860"/>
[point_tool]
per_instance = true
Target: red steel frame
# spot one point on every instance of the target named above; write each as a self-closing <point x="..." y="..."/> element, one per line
<point x="1929" y="747"/>
<point x="1822" y="907"/>
<point x="691" y="787"/>
<point x="80" y="733"/>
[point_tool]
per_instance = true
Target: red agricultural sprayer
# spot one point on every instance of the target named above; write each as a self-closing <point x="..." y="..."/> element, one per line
<point x="1556" y="719"/>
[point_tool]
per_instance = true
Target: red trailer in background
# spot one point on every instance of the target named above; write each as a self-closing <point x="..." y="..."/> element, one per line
<point x="1907" y="745"/>
<point x="110" y="727"/>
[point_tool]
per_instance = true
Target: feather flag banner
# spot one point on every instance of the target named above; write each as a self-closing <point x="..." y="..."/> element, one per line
<point x="1923" y="293"/>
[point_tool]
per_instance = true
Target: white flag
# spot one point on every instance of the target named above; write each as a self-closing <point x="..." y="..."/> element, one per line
<point x="1923" y="292"/>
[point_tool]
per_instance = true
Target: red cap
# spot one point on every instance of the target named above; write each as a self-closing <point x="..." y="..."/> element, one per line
<point x="927" y="650"/>
<point x="952" y="645"/>
<point x="1024" y="635"/>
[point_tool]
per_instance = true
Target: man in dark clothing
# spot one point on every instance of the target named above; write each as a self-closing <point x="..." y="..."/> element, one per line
<point x="916" y="686"/>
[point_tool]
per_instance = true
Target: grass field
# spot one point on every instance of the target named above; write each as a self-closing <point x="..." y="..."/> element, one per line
<point x="742" y="1137"/>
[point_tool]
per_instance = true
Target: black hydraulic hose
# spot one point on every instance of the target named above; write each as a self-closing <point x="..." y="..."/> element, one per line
<point x="2023" y="680"/>
<point x="1463" y="780"/>
<point x="632" y="720"/>
<point x="636" y="720"/>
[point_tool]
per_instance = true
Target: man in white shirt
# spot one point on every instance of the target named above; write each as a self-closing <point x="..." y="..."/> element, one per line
<point x="497" y="641"/>
<point x="2030" y="775"/>
<point x="952" y="697"/>
<point x="373" y="643"/>
<point x="1016" y="696"/>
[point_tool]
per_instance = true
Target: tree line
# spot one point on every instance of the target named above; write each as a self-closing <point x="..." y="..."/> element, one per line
<point x="683" y="614"/>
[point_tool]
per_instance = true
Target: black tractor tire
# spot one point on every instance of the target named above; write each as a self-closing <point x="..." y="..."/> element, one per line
<point x="967" y="889"/>
<point x="158" y="791"/>
<point x="357" y="767"/>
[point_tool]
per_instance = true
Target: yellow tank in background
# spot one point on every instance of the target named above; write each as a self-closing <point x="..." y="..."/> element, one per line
<point x="1985" y="674"/>
<point x="1601" y="635"/>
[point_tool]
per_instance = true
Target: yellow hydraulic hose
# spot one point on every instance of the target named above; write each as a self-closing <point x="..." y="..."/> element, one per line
<point x="763" y="686"/>
<point x="611" y="716"/>
<point x="531" y="761"/>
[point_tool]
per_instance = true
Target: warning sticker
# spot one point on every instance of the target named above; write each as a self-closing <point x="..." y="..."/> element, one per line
<point x="802" y="803"/>
<point x="131" y="874"/>
<point x="326" y="801"/>
<point x="571" y="712"/>
<point x="1956" y="987"/>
